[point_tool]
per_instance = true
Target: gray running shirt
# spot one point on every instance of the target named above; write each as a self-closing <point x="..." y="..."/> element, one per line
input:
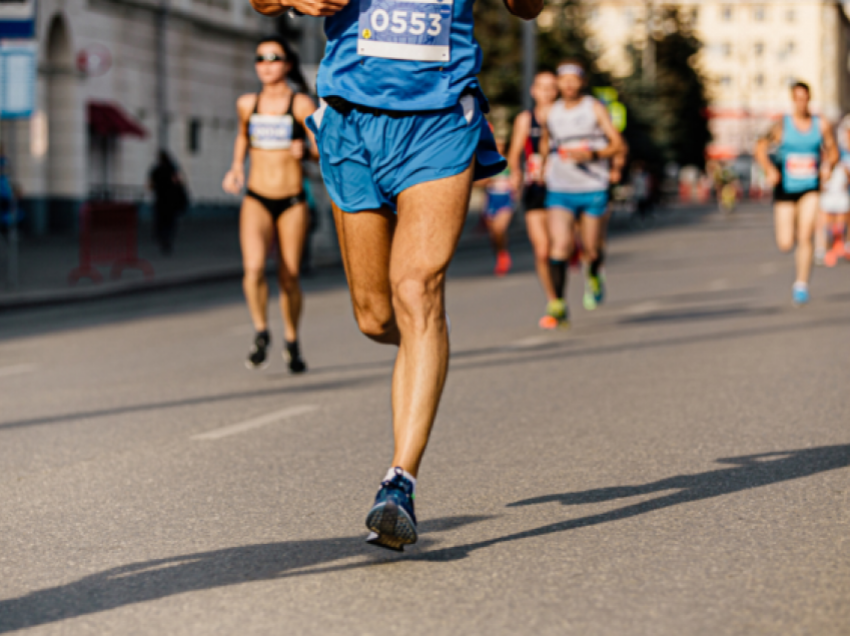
<point x="575" y="128"/>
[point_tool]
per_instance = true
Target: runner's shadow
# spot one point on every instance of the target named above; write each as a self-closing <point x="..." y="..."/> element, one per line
<point x="751" y="471"/>
<point x="160" y="578"/>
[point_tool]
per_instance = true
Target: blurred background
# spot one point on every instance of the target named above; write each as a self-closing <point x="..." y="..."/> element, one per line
<point x="112" y="81"/>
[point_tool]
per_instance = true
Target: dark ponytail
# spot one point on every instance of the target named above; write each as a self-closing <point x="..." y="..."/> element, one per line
<point x="294" y="75"/>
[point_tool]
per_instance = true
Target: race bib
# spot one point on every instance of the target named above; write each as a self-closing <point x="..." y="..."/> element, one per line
<point x="415" y="30"/>
<point x="564" y="150"/>
<point x="533" y="167"/>
<point x="270" y="132"/>
<point x="801" y="166"/>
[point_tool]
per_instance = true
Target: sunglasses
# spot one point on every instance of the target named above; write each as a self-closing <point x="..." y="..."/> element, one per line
<point x="272" y="57"/>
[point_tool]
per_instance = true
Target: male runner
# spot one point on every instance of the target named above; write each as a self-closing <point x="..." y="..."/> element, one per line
<point x="402" y="136"/>
<point x="498" y="213"/>
<point x="525" y="142"/>
<point x="577" y="143"/>
<point x="803" y="141"/>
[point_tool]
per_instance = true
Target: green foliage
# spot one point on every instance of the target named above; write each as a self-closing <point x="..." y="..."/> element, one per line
<point x="674" y="105"/>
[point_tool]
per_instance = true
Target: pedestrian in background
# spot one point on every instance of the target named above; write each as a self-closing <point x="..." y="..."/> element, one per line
<point x="170" y="200"/>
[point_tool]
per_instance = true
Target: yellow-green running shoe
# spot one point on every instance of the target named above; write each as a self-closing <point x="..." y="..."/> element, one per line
<point x="557" y="315"/>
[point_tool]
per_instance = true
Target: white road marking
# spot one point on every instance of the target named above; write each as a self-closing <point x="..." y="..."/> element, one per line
<point x="17" y="369"/>
<point x="643" y="308"/>
<point x="718" y="285"/>
<point x="257" y="422"/>
<point x="527" y="343"/>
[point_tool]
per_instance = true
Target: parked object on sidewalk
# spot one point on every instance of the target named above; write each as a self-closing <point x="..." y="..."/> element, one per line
<point x="108" y="236"/>
<point x="171" y="199"/>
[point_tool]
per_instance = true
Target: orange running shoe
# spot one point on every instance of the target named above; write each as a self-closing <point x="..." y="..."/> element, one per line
<point x="503" y="263"/>
<point x="557" y="316"/>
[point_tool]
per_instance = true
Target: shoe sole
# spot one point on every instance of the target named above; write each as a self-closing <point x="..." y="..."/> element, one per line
<point x="392" y="525"/>
<point x="257" y="367"/>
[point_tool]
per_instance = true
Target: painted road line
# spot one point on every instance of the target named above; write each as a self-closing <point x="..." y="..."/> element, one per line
<point x="17" y="369"/>
<point x="643" y="308"/>
<point x="257" y="422"/>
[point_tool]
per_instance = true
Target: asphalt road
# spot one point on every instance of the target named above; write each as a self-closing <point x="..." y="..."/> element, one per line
<point x="676" y="463"/>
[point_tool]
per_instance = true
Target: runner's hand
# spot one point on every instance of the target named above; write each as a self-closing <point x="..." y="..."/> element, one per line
<point x="615" y="176"/>
<point x="772" y="177"/>
<point x="580" y="156"/>
<point x="233" y="181"/>
<point x="316" y="8"/>
<point x="297" y="149"/>
<point x="516" y="183"/>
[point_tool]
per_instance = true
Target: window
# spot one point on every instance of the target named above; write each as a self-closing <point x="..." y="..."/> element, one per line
<point x="726" y="13"/>
<point x="758" y="80"/>
<point x="726" y="49"/>
<point x="790" y="15"/>
<point x="694" y="15"/>
<point x="758" y="49"/>
<point x="193" y="138"/>
<point x="725" y="81"/>
<point x="759" y="13"/>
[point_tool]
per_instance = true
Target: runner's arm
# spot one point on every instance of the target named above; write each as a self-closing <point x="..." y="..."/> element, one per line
<point x="302" y="109"/>
<point x="235" y="177"/>
<point x="774" y="136"/>
<point x="522" y="126"/>
<point x="544" y="151"/>
<point x="316" y="8"/>
<point x="615" y="146"/>
<point x="525" y="9"/>
<point x="830" y="147"/>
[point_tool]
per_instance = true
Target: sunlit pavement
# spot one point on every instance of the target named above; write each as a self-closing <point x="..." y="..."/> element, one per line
<point x="676" y="463"/>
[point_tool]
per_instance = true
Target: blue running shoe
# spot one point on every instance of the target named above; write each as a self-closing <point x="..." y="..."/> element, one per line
<point x="391" y="519"/>
<point x="800" y="295"/>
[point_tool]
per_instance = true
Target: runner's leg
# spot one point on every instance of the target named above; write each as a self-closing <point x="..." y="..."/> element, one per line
<point x="430" y="220"/>
<point x="561" y="234"/>
<point x="784" y="217"/>
<point x="537" y="226"/>
<point x="498" y="227"/>
<point x="291" y="234"/>
<point x="807" y="211"/>
<point x="256" y="230"/>
<point x="365" y="239"/>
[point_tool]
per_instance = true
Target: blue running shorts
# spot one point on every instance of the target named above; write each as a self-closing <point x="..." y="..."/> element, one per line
<point x="368" y="159"/>
<point x="591" y="203"/>
<point x="498" y="202"/>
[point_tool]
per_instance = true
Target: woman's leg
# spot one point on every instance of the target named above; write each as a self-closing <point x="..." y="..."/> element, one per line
<point x="292" y="227"/>
<point x="785" y="221"/>
<point x="256" y="230"/>
<point x="537" y="226"/>
<point x="498" y="227"/>
<point x="807" y="212"/>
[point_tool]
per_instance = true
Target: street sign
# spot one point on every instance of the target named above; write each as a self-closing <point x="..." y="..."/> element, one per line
<point x="17" y="19"/>
<point x="17" y="78"/>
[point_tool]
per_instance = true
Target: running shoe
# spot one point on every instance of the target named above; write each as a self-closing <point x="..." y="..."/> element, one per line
<point x="800" y="294"/>
<point x="503" y="263"/>
<point x="557" y="315"/>
<point x="594" y="291"/>
<point x="258" y="355"/>
<point x="292" y="356"/>
<point x="391" y="519"/>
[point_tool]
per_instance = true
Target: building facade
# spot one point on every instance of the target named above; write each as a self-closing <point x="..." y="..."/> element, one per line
<point x="753" y="50"/>
<point x="116" y="80"/>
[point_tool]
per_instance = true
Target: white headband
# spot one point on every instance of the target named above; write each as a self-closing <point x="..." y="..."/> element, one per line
<point x="570" y="69"/>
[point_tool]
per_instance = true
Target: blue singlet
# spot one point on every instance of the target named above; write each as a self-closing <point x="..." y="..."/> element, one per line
<point x="799" y="156"/>
<point x="400" y="54"/>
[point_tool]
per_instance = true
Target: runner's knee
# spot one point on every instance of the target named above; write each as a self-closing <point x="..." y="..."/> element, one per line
<point x="375" y="319"/>
<point x="416" y="299"/>
<point x="254" y="275"/>
<point x="785" y="244"/>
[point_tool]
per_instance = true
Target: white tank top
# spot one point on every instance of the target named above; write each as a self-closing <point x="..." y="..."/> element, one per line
<point x="575" y="128"/>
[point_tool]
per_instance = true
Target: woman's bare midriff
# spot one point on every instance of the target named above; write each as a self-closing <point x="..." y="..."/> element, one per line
<point x="275" y="174"/>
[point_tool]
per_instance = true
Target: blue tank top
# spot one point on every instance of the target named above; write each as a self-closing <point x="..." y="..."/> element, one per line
<point x="799" y="154"/>
<point x="400" y="54"/>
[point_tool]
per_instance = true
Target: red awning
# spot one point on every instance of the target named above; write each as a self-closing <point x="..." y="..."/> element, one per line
<point x="109" y="120"/>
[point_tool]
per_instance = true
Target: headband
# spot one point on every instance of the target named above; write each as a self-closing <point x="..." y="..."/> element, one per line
<point x="570" y="69"/>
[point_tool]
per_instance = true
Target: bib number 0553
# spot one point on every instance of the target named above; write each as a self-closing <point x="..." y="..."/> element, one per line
<point x="416" y="30"/>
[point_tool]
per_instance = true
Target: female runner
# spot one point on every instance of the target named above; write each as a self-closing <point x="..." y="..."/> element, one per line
<point x="528" y="129"/>
<point x="271" y="125"/>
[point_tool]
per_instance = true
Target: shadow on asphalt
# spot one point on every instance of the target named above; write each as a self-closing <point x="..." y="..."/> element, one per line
<point x="461" y="360"/>
<point x="700" y="314"/>
<point x="151" y="580"/>
<point x="161" y="578"/>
